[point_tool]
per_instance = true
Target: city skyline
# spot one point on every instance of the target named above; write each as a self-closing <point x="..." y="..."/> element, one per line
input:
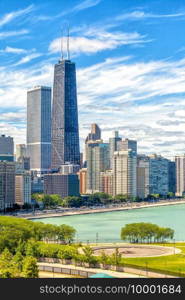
<point x="133" y="72"/>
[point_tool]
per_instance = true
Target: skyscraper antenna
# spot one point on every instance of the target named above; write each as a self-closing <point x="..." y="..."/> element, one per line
<point x="68" y="50"/>
<point x="62" y="50"/>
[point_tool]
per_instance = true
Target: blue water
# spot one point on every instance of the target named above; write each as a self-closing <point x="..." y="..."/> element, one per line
<point x="106" y="227"/>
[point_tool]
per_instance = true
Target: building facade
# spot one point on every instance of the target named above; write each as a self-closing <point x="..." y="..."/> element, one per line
<point x="106" y="182"/>
<point x="124" y="173"/>
<point x="158" y="175"/>
<point x="39" y="128"/>
<point x="97" y="162"/>
<point x="82" y="175"/>
<point x="69" y="169"/>
<point x="6" y="148"/>
<point x="180" y="174"/>
<point x="63" y="185"/>
<point x="171" y="177"/>
<point x="143" y="184"/>
<point x="7" y="185"/>
<point x="20" y="151"/>
<point x="23" y="188"/>
<point x="65" y="132"/>
<point x="113" y="146"/>
<point x="127" y="144"/>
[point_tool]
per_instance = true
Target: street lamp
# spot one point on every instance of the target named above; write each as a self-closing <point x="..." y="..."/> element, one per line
<point x="96" y="238"/>
<point x="174" y="246"/>
<point x="146" y="264"/>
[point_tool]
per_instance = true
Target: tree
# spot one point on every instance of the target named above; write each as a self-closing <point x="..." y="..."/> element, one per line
<point x="72" y="201"/>
<point x="65" y="233"/>
<point x="145" y="232"/>
<point x="18" y="260"/>
<point x="89" y="257"/>
<point x="116" y="257"/>
<point x="8" y="269"/>
<point x="104" y="259"/>
<point x="30" y="268"/>
<point x="32" y="248"/>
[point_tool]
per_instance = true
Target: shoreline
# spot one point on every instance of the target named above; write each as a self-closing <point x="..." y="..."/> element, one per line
<point x="101" y="210"/>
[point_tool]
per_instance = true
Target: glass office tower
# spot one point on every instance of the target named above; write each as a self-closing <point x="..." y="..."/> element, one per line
<point x="65" y="133"/>
<point x="39" y="128"/>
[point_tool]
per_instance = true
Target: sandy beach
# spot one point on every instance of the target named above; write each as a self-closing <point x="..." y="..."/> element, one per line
<point x="110" y="208"/>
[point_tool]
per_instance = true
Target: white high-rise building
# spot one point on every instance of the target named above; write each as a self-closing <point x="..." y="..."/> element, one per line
<point x="124" y="173"/>
<point x="180" y="174"/>
<point x="97" y="162"/>
<point x="39" y="128"/>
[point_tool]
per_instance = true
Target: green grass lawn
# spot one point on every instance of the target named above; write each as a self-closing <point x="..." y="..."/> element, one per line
<point x="170" y="263"/>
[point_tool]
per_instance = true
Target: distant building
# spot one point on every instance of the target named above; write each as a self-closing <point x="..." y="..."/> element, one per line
<point x="124" y="172"/>
<point x="171" y="177"/>
<point x="97" y="162"/>
<point x="113" y="146"/>
<point x="106" y="182"/>
<point x="94" y="135"/>
<point x="23" y="188"/>
<point x="82" y="174"/>
<point x="7" y="185"/>
<point x="81" y="160"/>
<point x="69" y="169"/>
<point x="143" y="184"/>
<point x="6" y="148"/>
<point x="20" y="151"/>
<point x="127" y="144"/>
<point x="39" y="128"/>
<point x="37" y="184"/>
<point x="63" y="185"/>
<point x="180" y="174"/>
<point x="25" y="162"/>
<point x="158" y="175"/>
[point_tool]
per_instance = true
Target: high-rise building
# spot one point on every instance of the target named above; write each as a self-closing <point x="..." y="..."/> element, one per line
<point x="23" y="188"/>
<point x="106" y="182"/>
<point x="25" y="162"/>
<point x="143" y="184"/>
<point x="97" y="162"/>
<point x="63" y="185"/>
<point x="127" y="144"/>
<point x="20" y="151"/>
<point x="124" y="173"/>
<point x="39" y="128"/>
<point x="82" y="175"/>
<point x="113" y="146"/>
<point x="65" y="132"/>
<point x="94" y="135"/>
<point x="7" y="185"/>
<point x="158" y="175"/>
<point x="6" y="148"/>
<point x="171" y="177"/>
<point x="69" y="169"/>
<point x="180" y="174"/>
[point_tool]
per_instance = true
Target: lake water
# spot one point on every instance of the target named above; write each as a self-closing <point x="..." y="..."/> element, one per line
<point x="106" y="227"/>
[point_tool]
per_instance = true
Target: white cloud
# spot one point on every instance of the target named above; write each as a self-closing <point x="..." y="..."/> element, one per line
<point x="102" y="41"/>
<point x="6" y="34"/>
<point x="137" y="15"/>
<point x="86" y="4"/>
<point x="7" y="18"/>
<point x="13" y="50"/>
<point x="27" y="58"/>
<point x="144" y="100"/>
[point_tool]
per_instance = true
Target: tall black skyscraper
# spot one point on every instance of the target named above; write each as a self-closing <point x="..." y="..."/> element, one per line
<point x="65" y="133"/>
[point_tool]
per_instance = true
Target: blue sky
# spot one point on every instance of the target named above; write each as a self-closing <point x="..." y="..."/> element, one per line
<point x="130" y="58"/>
